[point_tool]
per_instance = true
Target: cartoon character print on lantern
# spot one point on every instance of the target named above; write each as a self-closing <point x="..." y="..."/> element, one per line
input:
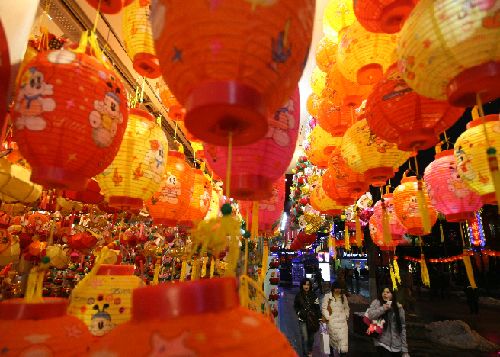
<point x="155" y="158"/>
<point x="33" y="100"/>
<point x="282" y="121"/>
<point x="100" y="322"/>
<point x="106" y="117"/>
<point x="171" y="191"/>
<point x="464" y="164"/>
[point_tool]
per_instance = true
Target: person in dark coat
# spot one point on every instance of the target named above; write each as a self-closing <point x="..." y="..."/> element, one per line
<point x="307" y="308"/>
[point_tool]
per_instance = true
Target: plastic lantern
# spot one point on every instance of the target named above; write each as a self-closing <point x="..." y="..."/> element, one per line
<point x="321" y="145"/>
<point x="69" y="118"/>
<point x="200" y="199"/>
<point x="321" y="202"/>
<point x="399" y="115"/>
<point x="386" y="16"/>
<point x="394" y="226"/>
<point x="138" y="39"/>
<point x="339" y="14"/>
<point x="449" y="49"/>
<point x="345" y="92"/>
<point x="326" y="53"/>
<point x="364" y="56"/>
<point x="256" y="166"/>
<point x="229" y="81"/>
<point x="173" y="198"/>
<point x="335" y="119"/>
<point x="366" y="153"/>
<point x="343" y="175"/>
<point x="411" y="205"/>
<point x="108" y="6"/>
<point x="137" y="170"/>
<point x="41" y="329"/>
<point x="312" y="105"/>
<point x="15" y="183"/>
<point x="448" y="193"/>
<point x="165" y="317"/>
<point x="472" y="159"/>
<point x="318" y="81"/>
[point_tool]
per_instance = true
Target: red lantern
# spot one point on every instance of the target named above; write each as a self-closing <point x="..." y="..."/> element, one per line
<point x="228" y="81"/>
<point x="335" y="119"/>
<point x="255" y="167"/>
<point x="69" y="118"/>
<point x="398" y="115"/>
<point x="109" y="6"/>
<point x="91" y="195"/>
<point x="386" y="16"/>
<point x="448" y="193"/>
<point x="4" y="74"/>
<point x="396" y="229"/>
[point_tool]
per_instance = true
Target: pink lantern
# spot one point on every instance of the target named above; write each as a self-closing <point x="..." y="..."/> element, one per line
<point x="396" y="229"/>
<point x="448" y="193"/>
<point x="269" y="210"/>
<point x="256" y="166"/>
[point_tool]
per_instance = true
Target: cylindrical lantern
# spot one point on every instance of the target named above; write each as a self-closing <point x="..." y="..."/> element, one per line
<point x="321" y="202"/>
<point x="41" y="329"/>
<point x="200" y="199"/>
<point x="472" y="159"/>
<point x="15" y="183"/>
<point x="256" y="166"/>
<point x="173" y="198"/>
<point x="447" y="191"/>
<point x="326" y="53"/>
<point x="456" y="53"/>
<point x="399" y="115"/>
<point x="321" y="145"/>
<point x="138" y="168"/>
<point x="365" y="152"/>
<point x="138" y="39"/>
<point x="167" y="320"/>
<point x="364" y="56"/>
<point x="335" y="119"/>
<point x="229" y="80"/>
<point x="339" y="14"/>
<point x="386" y="16"/>
<point x="394" y="226"/>
<point x="69" y="118"/>
<point x="411" y="204"/>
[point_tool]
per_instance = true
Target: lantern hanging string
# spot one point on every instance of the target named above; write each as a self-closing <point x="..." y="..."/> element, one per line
<point x="97" y="16"/>
<point x="229" y="163"/>
<point x="446" y="140"/>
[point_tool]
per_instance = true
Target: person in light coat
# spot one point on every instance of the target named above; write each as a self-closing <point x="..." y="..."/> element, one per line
<point x="335" y="310"/>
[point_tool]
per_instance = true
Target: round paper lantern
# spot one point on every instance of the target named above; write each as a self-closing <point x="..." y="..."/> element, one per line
<point x="108" y="6"/>
<point x="396" y="229"/>
<point x="472" y="159"/>
<point x="166" y="318"/>
<point x="175" y="111"/>
<point x="173" y="198"/>
<point x="399" y="115"/>
<point x="318" y="81"/>
<point x="228" y="80"/>
<point x="366" y="153"/>
<point x="407" y="207"/>
<point x="386" y="16"/>
<point x="312" y="104"/>
<point x="449" y="49"/>
<point x="256" y="166"/>
<point x="41" y="329"/>
<point x="200" y="199"/>
<point x="15" y="183"/>
<point x="138" y="39"/>
<point x="326" y="53"/>
<point x="138" y="168"/>
<point x="339" y="14"/>
<point x="364" y="56"/>
<point x="321" y="202"/>
<point x="447" y="191"/>
<point x="343" y="175"/>
<point x="345" y="92"/>
<point x="335" y="119"/>
<point x="4" y="73"/>
<point x="91" y="195"/>
<point x="321" y="145"/>
<point x="69" y="118"/>
<point x="336" y="191"/>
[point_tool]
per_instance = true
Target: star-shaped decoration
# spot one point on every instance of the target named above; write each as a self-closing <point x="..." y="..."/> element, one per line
<point x="177" y="56"/>
<point x="72" y="157"/>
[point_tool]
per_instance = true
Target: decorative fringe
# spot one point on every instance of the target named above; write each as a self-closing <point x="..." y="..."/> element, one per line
<point x="359" y="233"/>
<point x="347" y="242"/>
<point x="469" y="270"/>
<point x="194" y="269"/>
<point x="156" y="275"/>
<point x="212" y="267"/>
<point x="424" y="273"/>
<point x="423" y="208"/>
<point x="393" y="277"/>
<point x="204" y="267"/>
<point x="183" y="269"/>
<point x="386" y="228"/>
<point x="396" y="270"/>
<point x="441" y="231"/>
<point x="263" y="270"/>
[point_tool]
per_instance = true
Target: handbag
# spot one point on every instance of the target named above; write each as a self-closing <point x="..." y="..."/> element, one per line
<point x="375" y="327"/>
<point x="312" y="321"/>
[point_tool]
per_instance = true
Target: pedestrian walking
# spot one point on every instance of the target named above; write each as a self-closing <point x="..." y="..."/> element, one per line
<point x="306" y="305"/>
<point x="335" y="310"/>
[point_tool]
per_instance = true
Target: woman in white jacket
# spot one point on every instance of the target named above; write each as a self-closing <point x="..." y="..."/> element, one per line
<point x="335" y="310"/>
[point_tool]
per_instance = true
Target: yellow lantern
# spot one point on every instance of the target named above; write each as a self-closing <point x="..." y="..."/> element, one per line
<point x="137" y="170"/>
<point x="321" y="202"/>
<point x="321" y="145"/>
<point x="339" y="14"/>
<point x="367" y="153"/>
<point x="364" y="56"/>
<point x="215" y="203"/>
<point x="15" y="183"/>
<point x="448" y="49"/>
<point x="326" y="53"/>
<point x="200" y="199"/>
<point x="312" y="104"/>
<point x="472" y="158"/>
<point x="318" y="81"/>
<point x="138" y="39"/>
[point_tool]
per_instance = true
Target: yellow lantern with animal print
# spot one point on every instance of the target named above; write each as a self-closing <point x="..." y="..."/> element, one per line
<point x="138" y="168"/>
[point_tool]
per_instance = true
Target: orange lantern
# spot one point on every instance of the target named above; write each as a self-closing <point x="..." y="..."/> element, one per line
<point x="318" y="81"/>
<point x="167" y="320"/>
<point x="321" y="145"/>
<point x="138" y="39"/>
<point x="336" y="190"/>
<point x="364" y="56"/>
<point x="173" y="198"/>
<point x="69" y="117"/>
<point x="312" y="104"/>
<point x="321" y="202"/>
<point x="366" y="153"/>
<point x="335" y="119"/>
<point x="386" y="16"/>
<point x="448" y="49"/>
<point x="326" y="53"/>
<point x="384" y="210"/>
<point x="41" y="329"/>
<point x="399" y="115"/>
<point x="229" y="81"/>
<point x="175" y="111"/>
<point x="413" y="206"/>
<point x="343" y="91"/>
<point x="137" y="170"/>
<point x="343" y="175"/>
<point x="200" y="199"/>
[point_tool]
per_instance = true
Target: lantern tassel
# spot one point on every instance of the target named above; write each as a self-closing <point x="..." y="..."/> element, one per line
<point x="423" y="208"/>
<point x="347" y="243"/>
<point x="469" y="270"/>
<point x="156" y="275"/>
<point x="396" y="270"/>
<point x="393" y="277"/>
<point x="263" y="270"/>
<point x="386" y="228"/>
<point x="255" y="221"/>
<point x="212" y="267"/>
<point x="359" y="233"/>
<point x="183" y="269"/>
<point x="441" y="231"/>
<point x="204" y="267"/>
<point x="424" y="273"/>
